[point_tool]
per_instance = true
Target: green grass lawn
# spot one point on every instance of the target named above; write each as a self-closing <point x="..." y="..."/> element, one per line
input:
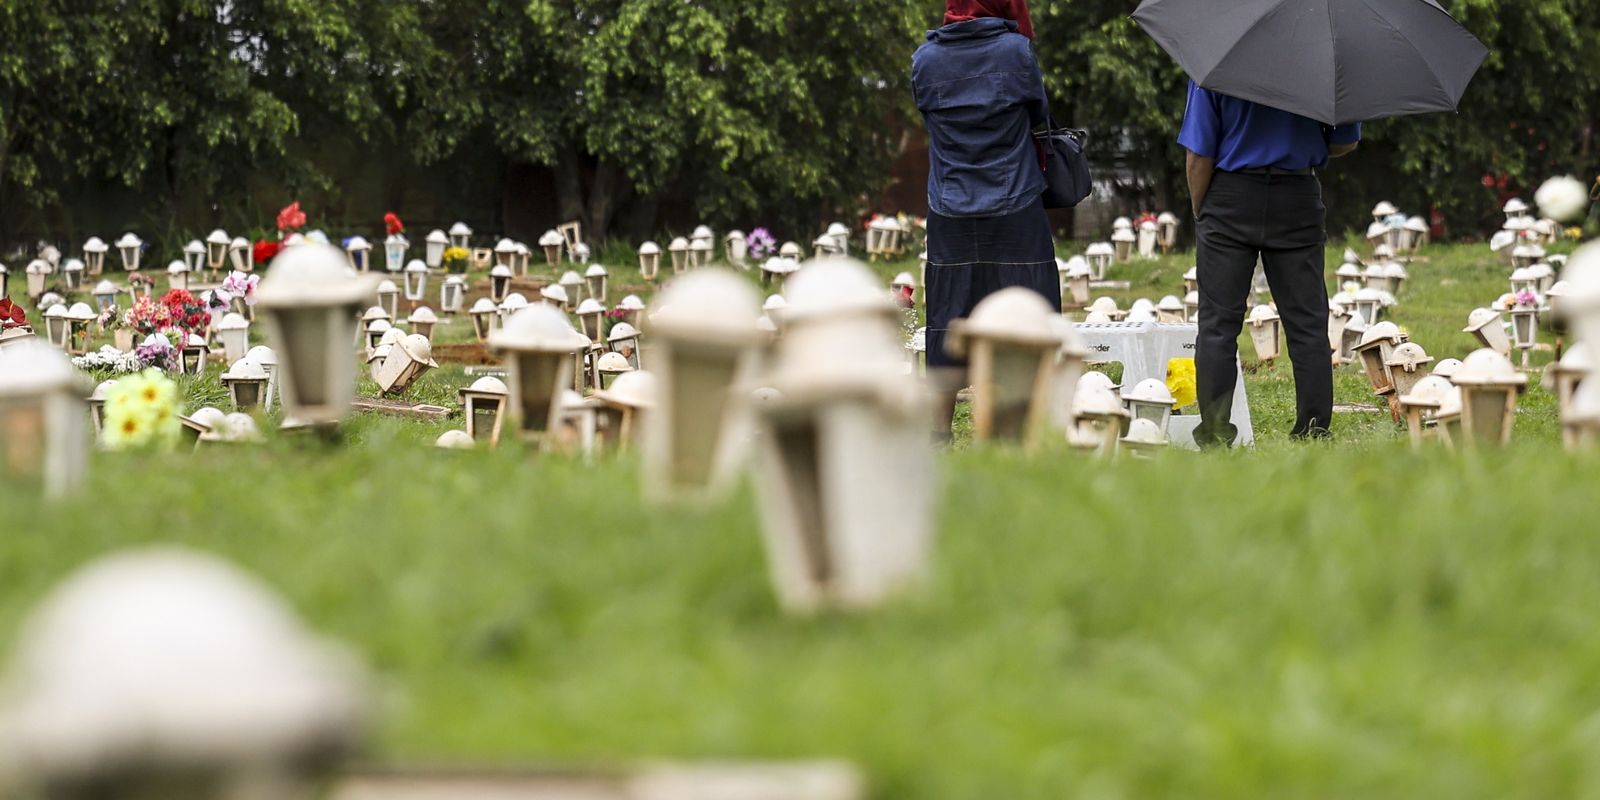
<point x="1342" y="619"/>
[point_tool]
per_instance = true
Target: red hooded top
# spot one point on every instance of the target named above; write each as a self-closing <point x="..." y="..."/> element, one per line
<point x="1014" y="10"/>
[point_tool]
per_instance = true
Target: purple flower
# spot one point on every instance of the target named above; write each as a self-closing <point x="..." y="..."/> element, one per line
<point x="1527" y="299"/>
<point x="761" y="244"/>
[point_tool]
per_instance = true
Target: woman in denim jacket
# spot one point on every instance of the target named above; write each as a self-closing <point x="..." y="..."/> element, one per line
<point x="981" y="94"/>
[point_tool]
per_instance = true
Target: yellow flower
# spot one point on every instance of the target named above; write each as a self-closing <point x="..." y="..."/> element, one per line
<point x="142" y="410"/>
<point x="1181" y="382"/>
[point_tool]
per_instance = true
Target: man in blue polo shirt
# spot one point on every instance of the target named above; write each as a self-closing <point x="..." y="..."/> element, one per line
<point x="1253" y="182"/>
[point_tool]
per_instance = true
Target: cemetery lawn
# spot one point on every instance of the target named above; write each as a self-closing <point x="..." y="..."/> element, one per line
<point x="1341" y="619"/>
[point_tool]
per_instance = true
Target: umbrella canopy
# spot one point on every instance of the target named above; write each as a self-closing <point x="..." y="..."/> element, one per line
<point x="1335" y="61"/>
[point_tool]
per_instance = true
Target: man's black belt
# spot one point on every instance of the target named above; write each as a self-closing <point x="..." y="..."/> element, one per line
<point x="1273" y="171"/>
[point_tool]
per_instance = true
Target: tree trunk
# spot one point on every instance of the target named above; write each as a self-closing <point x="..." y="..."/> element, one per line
<point x="569" y="186"/>
<point x="602" y="197"/>
<point x="643" y="216"/>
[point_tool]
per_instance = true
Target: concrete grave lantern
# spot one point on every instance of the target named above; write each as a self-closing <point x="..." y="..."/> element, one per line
<point x="1562" y="379"/>
<point x="216" y="250"/>
<point x="649" y="261"/>
<point x="1447" y="368"/>
<point x="461" y="236"/>
<point x="1421" y="404"/>
<point x="1396" y="275"/>
<point x="1525" y="330"/>
<point x="193" y="355"/>
<point x="1264" y="325"/>
<point x="434" y="245"/>
<point x="1375" y="349"/>
<point x="1100" y="256"/>
<point x="1150" y="400"/>
<point x="705" y="334"/>
<point x="499" y="283"/>
<point x="1144" y="438"/>
<point x="1490" y="330"/>
<point x="537" y="345"/>
<point x="1191" y="306"/>
<point x="1369" y="304"/>
<point x="1066" y="372"/>
<point x="1544" y="277"/>
<point x="736" y="249"/>
<point x="377" y="356"/>
<point x="1122" y="242"/>
<point x="679" y="250"/>
<point x="1515" y="208"/>
<point x="194" y="255"/>
<point x="1416" y="238"/>
<point x="1122" y="224"/>
<point x="233" y="331"/>
<point x="483" y="404"/>
<point x="38" y="273"/>
<point x="596" y="283"/>
<point x="843" y="427"/>
<point x="416" y="280"/>
<point x="1580" y="298"/>
<point x="246" y="382"/>
<point x="309" y="302"/>
<point x="608" y="367"/>
<point x="1349" y="273"/>
<point x="585" y="353"/>
<point x="44" y="430"/>
<point x="1011" y="346"/>
<point x="1355" y="328"/>
<point x="552" y="243"/>
<point x="375" y="331"/>
<point x="1522" y="280"/>
<point x="1074" y="274"/>
<point x="621" y="410"/>
<point x="522" y="260"/>
<point x="1489" y="388"/>
<point x="1149" y="236"/>
<point x="94" y="255"/>
<point x="395" y="247"/>
<point x="178" y="275"/>
<point x="555" y="295"/>
<point x="1384" y="210"/>
<point x="591" y="315"/>
<point x="79" y="315"/>
<point x="422" y="321"/>
<point x="1169" y="310"/>
<point x="72" y="273"/>
<point x="513" y="303"/>
<point x="1108" y="307"/>
<point x="700" y="253"/>
<point x="776" y="271"/>
<point x="368" y="317"/>
<point x="13" y="336"/>
<point x="572" y="283"/>
<point x="1522" y="256"/>
<point x="903" y="281"/>
<point x="5" y="281"/>
<point x="105" y="294"/>
<point x="824" y="246"/>
<point x="97" y="405"/>
<point x="505" y="254"/>
<point x="1099" y="417"/>
<point x="131" y="249"/>
<point x="452" y="294"/>
<point x="57" y="328"/>
<point x="454" y="440"/>
<point x="388" y="296"/>
<point x="484" y="319"/>
<point x="840" y="233"/>
<point x="358" y="251"/>
<point x="632" y="307"/>
<point x="263" y="355"/>
<point x="198" y="682"/>
<point x="1167" y="222"/>
<point x="624" y="340"/>
<point x="1378" y="233"/>
<point x="1407" y="365"/>
<point x="408" y="359"/>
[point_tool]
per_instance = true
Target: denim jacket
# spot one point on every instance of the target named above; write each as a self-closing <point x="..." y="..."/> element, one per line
<point x="981" y="94"/>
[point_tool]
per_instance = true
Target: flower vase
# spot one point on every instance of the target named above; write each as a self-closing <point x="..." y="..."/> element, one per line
<point x="122" y="339"/>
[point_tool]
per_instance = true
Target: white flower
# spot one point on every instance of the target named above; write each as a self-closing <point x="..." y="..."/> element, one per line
<point x="1562" y="199"/>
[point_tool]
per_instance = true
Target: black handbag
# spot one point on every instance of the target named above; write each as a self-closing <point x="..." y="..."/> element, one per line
<point x="1066" y="168"/>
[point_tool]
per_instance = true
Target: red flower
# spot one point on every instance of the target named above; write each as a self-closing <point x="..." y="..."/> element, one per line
<point x="291" y="218"/>
<point x="905" y="298"/>
<point x="391" y="221"/>
<point x="11" y="314"/>
<point x="265" y="250"/>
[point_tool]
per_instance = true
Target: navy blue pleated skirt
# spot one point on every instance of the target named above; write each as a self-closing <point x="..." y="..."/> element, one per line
<point x="970" y="258"/>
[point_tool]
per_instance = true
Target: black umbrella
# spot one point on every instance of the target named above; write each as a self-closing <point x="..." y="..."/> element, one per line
<point x="1335" y="61"/>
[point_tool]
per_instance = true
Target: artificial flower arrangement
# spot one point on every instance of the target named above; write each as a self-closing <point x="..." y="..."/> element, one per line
<point x="141" y="284"/>
<point x="239" y="289"/>
<point x="142" y="412"/>
<point x="291" y="219"/>
<point x="12" y="315"/>
<point x="392" y="224"/>
<point x="264" y="251"/>
<point x="1181" y="382"/>
<point x="177" y="312"/>
<point x="456" y="259"/>
<point x="761" y="244"/>
<point x="146" y="316"/>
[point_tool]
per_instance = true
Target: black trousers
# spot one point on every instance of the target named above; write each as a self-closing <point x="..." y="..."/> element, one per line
<point x="1281" y="220"/>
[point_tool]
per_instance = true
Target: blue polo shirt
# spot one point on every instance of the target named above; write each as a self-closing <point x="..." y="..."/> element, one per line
<point x="1240" y="134"/>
